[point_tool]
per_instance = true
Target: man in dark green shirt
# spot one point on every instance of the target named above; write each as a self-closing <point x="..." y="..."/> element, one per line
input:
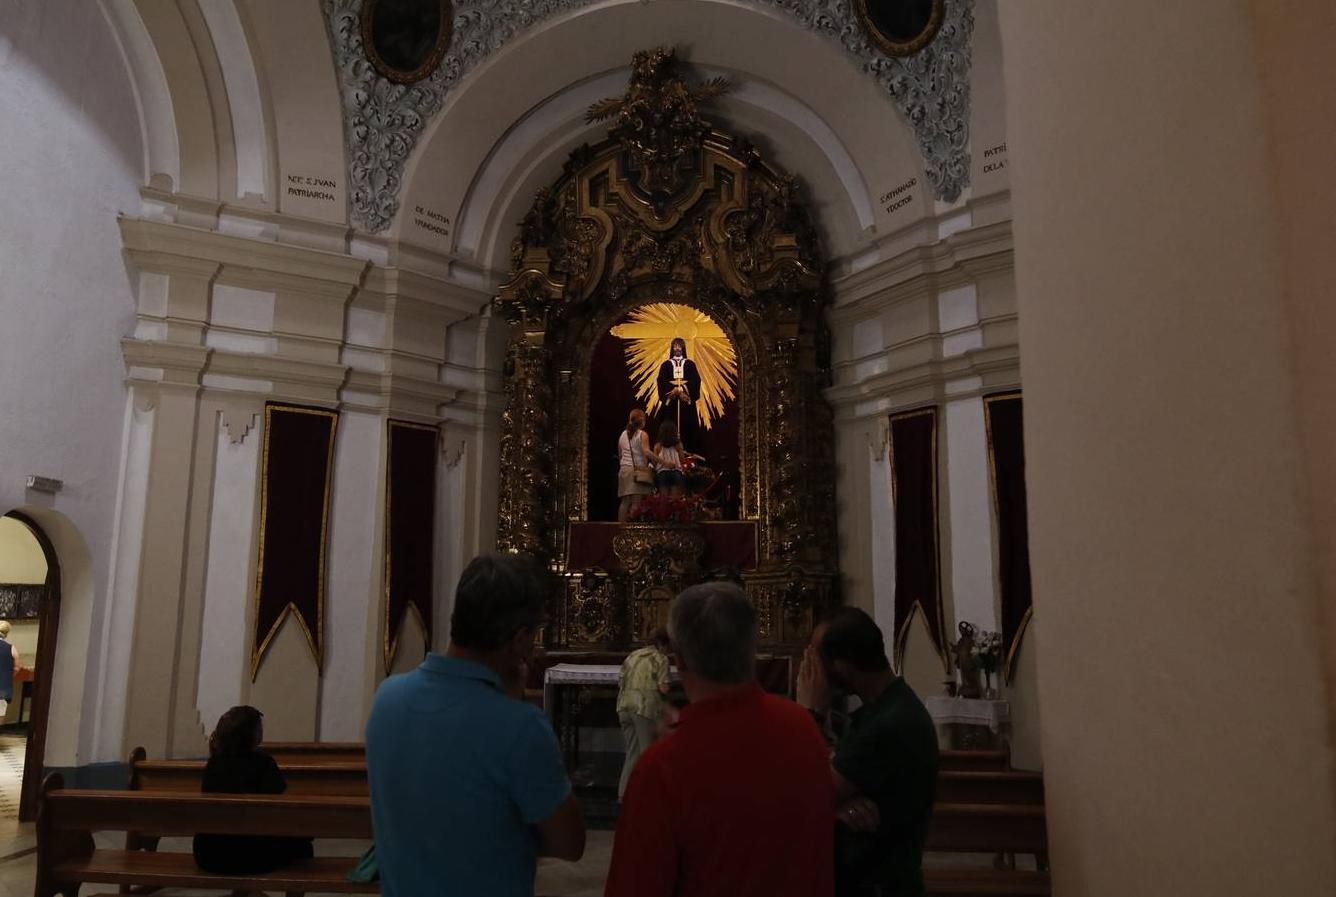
<point x="884" y="769"/>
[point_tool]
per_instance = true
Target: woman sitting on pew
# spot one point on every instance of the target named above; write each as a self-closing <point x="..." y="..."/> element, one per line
<point x="237" y="766"/>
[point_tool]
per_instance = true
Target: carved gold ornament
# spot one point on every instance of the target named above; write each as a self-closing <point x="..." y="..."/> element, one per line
<point x="686" y="230"/>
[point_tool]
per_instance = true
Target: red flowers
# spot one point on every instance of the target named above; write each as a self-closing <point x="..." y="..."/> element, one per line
<point x="666" y="509"/>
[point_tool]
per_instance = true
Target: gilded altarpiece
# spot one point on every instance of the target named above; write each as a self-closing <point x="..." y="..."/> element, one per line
<point x="669" y="209"/>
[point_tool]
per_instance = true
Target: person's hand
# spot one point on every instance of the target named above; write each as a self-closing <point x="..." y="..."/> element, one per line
<point x="859" y="814"/>
<point x="813" y="688"/>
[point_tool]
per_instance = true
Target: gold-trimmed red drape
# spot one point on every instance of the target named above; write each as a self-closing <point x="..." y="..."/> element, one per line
<point x="913" y="453"/>
<point x="296" y="473"/>
<point x="410" y="529"/>
<point x="1006" y="465"/>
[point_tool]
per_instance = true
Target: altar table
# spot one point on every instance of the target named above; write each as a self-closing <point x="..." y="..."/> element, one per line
<point x="581" y="690"/>
<point x="957" y="716"/>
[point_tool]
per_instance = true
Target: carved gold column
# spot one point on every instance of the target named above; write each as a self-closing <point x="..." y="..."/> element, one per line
<point x="525" y="449"/>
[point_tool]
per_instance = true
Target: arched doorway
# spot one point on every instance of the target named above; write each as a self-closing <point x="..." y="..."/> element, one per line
<point x="34" y="619"/>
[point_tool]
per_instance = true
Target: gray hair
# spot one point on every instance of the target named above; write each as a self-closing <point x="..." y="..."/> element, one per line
<point x="4" y="628"/>
<point x="713" y="628"/>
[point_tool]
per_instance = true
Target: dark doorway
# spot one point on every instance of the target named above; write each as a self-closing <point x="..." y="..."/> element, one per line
<point x="48" y="616"/>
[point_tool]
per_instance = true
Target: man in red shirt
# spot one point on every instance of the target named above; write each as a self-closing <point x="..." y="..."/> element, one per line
<point x="737" y="801"/>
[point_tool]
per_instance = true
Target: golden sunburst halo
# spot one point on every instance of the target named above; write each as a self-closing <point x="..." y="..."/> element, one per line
<point x="649" y="334"/>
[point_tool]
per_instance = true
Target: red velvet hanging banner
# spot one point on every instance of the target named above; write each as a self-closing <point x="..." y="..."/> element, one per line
<point x="296" y="472"/>
<point x="410" y="529"/>
<point x="1006" y="462"/>
<point x="913" y="454"/>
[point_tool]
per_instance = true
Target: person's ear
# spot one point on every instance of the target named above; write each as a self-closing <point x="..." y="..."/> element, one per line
<point x="522" y="642"/>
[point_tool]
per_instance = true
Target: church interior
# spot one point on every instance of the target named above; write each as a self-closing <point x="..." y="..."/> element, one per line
<point x="1008" y="323"/>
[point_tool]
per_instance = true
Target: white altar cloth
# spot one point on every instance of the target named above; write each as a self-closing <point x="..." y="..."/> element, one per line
<point x="994" y="714"/>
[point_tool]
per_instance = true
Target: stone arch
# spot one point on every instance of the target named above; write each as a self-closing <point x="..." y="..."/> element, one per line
<point x="62" y="667"/>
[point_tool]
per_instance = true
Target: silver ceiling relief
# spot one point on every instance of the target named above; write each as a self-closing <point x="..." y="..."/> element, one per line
<point x="383" y="120"/>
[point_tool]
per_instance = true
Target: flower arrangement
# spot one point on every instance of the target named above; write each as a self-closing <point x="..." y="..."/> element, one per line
<point x="667" y="509"/>
<point x="987" y="651"/>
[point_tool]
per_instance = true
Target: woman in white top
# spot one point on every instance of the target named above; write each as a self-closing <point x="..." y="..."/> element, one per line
<point x="635" y="479"/>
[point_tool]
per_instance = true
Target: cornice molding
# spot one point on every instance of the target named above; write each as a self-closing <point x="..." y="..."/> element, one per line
<point x="457" y="301"/>
<point x="241" y="253"/>
<point x="996" y="367"/>
<point x="960" y="258"/>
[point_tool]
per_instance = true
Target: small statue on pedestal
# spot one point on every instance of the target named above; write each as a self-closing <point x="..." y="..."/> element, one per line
<point x="966" y="662"/>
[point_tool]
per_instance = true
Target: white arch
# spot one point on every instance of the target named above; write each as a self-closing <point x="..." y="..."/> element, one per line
<point x="540" y="142"/>
<point x="68" y="676"/>
<point x="803" y="83"/>
<point x="249" y="128"/>
<point x="162" y="149"/>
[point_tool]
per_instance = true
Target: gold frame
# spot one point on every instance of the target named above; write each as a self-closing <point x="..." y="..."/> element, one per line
<point x="428" y="66"/>
<point x="900" y="48"/>
<point x="317" y="648"/>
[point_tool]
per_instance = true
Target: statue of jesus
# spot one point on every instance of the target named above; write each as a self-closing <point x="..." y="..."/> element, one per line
<point x="679" y="390"/>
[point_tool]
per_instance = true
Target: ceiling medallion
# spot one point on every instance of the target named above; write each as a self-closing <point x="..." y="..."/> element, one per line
<point x="406" y="39"/>
<point x="900" y="27"/>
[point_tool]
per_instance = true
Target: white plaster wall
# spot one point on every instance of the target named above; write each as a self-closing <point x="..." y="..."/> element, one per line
<point x="882" y="521"/>
<point x="1187" y="739"/>
<point x="354" y="579"/>
<point x="117" y="621"/>
<point x="21" y="557"/>
<point x="451" y="553"/>
<point x="971" y="531"/>
<point x="70" y="138"/>
<point x="228" y="580"/>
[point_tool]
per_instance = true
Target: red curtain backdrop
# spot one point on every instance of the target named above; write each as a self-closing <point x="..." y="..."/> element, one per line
<point x="914" y="493"/>
<point x="410" y="529"/>
<point x="1006" y="458"/>
<point x="298" y="463"/>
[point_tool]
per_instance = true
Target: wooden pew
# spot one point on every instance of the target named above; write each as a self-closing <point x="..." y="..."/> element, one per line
<point x="312" y="752"/>
<point x="331" y="778"/>
<point x="67" y="856"/>
<point x="988" y="828"/>
<point x="999" y="760"/>
<point x="956" y="786"/>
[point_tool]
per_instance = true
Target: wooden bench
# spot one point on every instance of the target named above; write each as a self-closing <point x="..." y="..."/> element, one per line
<point x="313" y="752"/>
<point x="968" y="786"/>
<point x="333" y="778"/>
<point x="68" y="858"/>
<point x="974" y="760"/>
<point x="988" y="828"/>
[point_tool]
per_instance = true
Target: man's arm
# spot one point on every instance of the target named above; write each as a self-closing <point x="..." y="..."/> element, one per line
<point x="844" y="790"/>
<point x="18" y="659"/>
<point x="542" y="792"/>
<point x="562" y="835"/>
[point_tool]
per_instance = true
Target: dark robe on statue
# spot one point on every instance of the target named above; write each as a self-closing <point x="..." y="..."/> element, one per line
<point x="688" y="427"/>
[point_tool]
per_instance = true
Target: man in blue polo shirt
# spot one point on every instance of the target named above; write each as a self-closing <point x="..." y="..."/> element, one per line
<point x="468" y="787"/>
